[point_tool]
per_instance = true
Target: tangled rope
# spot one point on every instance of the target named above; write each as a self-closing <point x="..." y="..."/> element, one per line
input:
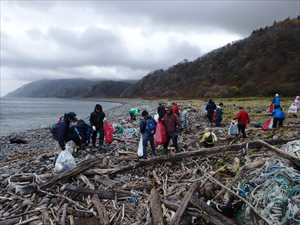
<point x="275" y="193"/>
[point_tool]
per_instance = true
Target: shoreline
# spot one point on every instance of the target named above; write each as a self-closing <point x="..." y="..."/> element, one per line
<point x="120" y="104"/>
<point x="40" y="139"/>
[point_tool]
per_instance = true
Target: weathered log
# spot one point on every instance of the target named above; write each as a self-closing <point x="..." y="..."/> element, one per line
<point x="179" y="212"/>
<point x="182" y="155"/>
<point x="9" y="221"/>
<point x="102" y="194"/>
<point x="64" y="214"/>
<point x="81" y="167"/>
<point x="102" y="215"/>
<point x="212" y="179"/>
<point x="155" y="207"/>
<point x="28" y="220"/>
<point x="34" y="211"/>
<point x="211" y="214"/>
<point x="281" y="153"/>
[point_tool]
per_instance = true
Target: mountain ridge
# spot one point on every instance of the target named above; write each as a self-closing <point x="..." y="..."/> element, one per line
<point x="266" y="62"/>
<point x="69" y="88"/>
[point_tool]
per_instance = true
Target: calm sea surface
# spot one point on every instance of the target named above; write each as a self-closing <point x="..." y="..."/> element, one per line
<point x="19" y="114"/>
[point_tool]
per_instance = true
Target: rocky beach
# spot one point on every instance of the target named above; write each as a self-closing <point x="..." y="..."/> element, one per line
<point x="115" y="187"/>
<point x="41" y="139"/>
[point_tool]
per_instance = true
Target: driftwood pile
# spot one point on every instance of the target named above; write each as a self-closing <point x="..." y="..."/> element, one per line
<point x="117" y="188"/>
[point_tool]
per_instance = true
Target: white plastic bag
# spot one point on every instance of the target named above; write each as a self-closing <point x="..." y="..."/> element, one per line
<point x="140" y="152"/>
<point x="293" y="148"/>
<point x="233" y="129"/>
<point x="293" y="109"/>
<point x="184" y="119"/>
<point x="65" y="161"/>
<point x="156" y="116"/>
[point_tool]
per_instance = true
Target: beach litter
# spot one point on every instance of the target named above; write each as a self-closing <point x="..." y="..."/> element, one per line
<point x="252" y="179"/>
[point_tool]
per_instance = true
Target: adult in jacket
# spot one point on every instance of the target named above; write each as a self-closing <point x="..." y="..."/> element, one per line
<point x="96" y="121"/>
<point x="171" y="123"/>
<point x="243" y="120"/>
<point x="219" y="115"/>
<point x="161" y="111"/>
<point x="65" y="131"/>
<point x="147" y="129"/>
<point x="210" y="109"/>
<point x="175" y="108"/>
<point x="278" y="117"/>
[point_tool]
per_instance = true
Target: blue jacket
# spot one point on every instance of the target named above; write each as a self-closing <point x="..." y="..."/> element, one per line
<point x="276" y="100"/>
<point x="143" y="126"/>
<point x="278" y="114"/>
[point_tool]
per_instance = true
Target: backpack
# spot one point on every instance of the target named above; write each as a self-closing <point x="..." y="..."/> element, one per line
<point x="150" y="125"/>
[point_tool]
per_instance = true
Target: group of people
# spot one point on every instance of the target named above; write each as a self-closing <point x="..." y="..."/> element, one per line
<point x="169" y="117"/>
<point x="214" y="113"/>
<point x="70" y="128"/>
<point x="242" y="119"/>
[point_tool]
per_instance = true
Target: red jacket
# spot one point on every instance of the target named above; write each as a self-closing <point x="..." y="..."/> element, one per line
<point x="171" y="123"/>
<point x="175" y="109"/>
<point x="243" y="117"/>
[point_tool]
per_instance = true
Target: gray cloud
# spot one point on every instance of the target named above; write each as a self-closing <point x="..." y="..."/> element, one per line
<point x="101" y="39"/>
<point x="93" y="47"/>
<point x="235" y="16"/>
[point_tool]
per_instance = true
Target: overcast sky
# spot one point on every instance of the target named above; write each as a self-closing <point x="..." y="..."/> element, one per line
<point x="120" y="39"/>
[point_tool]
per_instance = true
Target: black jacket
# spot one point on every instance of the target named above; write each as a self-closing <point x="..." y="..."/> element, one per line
<point x="161" y="111"/>
<point x="96" y="119"/>
<point x="210" y="107"/>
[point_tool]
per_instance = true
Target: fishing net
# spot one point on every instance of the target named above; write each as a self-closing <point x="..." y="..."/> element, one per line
<point x="274" y="192"/>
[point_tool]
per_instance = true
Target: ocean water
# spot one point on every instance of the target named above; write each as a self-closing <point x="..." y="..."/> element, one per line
<point x="20" y="114"/>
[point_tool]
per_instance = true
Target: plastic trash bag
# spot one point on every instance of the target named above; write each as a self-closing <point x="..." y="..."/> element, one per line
<point x="271" y="108"/>
<point x="292" y="147"/>
<point x="140" y="152"/>
<point x="156" y="116"/>
<point x="293" y="109"/>
<point x="203" y="112"/>
<point x="108" y="132"/>
<point x="65" y="161"/>
<point x="268" y="124"/>
<point x="184" y="119"/>
<point x="160" y="136"/>
<point x="233" y="129"/>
